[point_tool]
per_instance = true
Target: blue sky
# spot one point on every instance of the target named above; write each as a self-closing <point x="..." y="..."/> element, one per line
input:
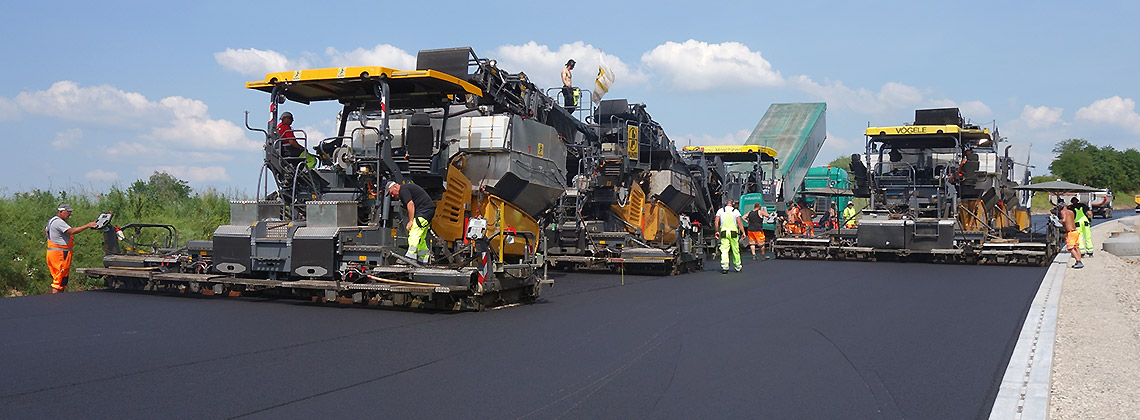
<point x="102" y="93"/>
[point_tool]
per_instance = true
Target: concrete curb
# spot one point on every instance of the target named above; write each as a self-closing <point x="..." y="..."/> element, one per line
<point x="1025" y="387"/>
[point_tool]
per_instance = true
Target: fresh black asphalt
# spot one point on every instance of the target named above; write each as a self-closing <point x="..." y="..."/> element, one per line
<point x="784" y="339"/>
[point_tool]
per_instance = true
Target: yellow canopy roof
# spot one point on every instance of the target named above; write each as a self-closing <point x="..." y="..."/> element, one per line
<point x="346" y="83"/>
<point x="736" y="152"/>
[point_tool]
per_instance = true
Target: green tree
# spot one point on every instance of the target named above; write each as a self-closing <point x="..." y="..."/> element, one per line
<point x="841" y="162"/>
<point x="1081" y="162"/>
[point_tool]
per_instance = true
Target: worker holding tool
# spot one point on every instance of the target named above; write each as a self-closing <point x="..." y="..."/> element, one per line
<point x="569" y="94"/>
<point x="849" y="216"/>
<point x="60" y="245"/>
<point x="728" y="227"/>
<point x="1081" y="212"/>
<point x="420" y="212"/>
<point x="1072" y="236"/>
<point x="756" y="229"/>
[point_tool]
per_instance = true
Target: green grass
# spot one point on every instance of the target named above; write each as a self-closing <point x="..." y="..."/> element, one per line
<point x="1124" y="200"/>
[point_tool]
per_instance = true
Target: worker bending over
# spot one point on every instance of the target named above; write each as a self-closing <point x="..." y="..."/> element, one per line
<point x="420" y="212"/>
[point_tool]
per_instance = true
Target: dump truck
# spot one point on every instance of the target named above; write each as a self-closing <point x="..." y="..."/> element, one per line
<point x="796" y="132"/>
<point x="486" y="144"/>
<point x="1100" y="202"/>
<point x="939" y="190"/>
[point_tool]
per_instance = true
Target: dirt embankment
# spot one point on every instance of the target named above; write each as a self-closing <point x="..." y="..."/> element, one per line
<point x="1096" y="366"/>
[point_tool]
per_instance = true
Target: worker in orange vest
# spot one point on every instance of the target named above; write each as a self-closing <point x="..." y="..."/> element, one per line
<point x="59" y="246"/>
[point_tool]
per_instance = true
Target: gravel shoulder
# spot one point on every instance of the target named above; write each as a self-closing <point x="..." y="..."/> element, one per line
<point x="1096" y="365"/>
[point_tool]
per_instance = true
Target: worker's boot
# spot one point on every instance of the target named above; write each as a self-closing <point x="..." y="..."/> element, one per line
<point x="1079" y="265"/>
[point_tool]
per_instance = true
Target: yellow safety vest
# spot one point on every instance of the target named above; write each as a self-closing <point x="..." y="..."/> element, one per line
<point x="728" y="219"/>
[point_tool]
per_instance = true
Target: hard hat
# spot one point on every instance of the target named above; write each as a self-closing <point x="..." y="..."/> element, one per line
<point x="63" y="207"/>
<point x="287" y="114"/>
<point x="570" y="63"/>
<point x="390" y="185"/>
<point x="849" y="204"/>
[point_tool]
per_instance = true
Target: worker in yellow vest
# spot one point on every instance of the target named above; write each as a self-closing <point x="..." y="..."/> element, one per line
<point x="849" y="216"/>
<point x="728" y="227"/>
<point x="1082" y="212"/>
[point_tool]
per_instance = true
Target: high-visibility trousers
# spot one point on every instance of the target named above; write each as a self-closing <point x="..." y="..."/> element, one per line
<point x="59" y="264"/>
<point x="729" y="247"/>
<point x="417" y="240"/>
<point x="1086" y="236"/>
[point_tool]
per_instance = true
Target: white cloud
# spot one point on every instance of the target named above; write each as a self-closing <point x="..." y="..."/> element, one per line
<point x="738" y="137"/>
<point x="255" y="62"/>
<point x="1115" y="110"/>
<point x="975" y="110"/>
<point x="1040" y="117"/>
<point x="97" y="104"/>
<point x="9" y="111"/>
<point x="900" y="95"/>
<point x="180" y="125"/>
<point x="193" y="174"/>
<point x="836" y="94"/>
<point x="67" y="138"/>
<point x="192" y="125"/>
<point x="695" y="65"/>
<point x="132" y="151"/>
<point x="544" y="66"/>
<point x="381" y="55"/>
<point x="838" y="147"/>
<point x="182" y="122"/>
<point x="893" y="96"/>
<point x="101" y="175"/>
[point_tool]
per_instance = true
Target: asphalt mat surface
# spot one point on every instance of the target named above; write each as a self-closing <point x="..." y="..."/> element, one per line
<point x="784" y="339"/>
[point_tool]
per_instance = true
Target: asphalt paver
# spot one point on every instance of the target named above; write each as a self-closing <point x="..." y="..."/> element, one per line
<point x="783" y="339"/>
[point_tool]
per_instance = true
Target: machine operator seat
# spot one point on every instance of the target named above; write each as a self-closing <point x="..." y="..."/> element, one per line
<point x="419" y="138"/>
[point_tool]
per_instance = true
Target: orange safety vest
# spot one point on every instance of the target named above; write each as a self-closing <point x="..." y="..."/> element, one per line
<point x="52" y="246"/>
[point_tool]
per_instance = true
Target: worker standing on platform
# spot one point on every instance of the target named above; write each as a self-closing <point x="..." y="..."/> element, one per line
<point x="420" y="212"/>
<point x="849" y="216"/>
<point x="728" y="227"/>
<point x="1072" y="236"/>
<point x="1082" y="214"/>
<point x="569" y="93"/>
<point x="756" y="229"/>
<point x="60" y="245"/>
